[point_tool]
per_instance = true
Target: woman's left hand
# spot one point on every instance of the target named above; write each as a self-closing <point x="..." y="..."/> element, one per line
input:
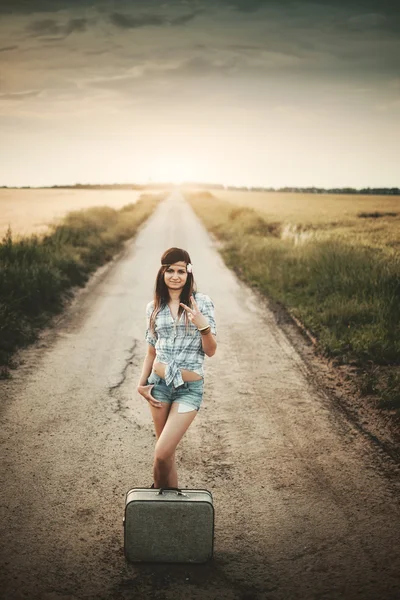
<point x="194" y="315"/>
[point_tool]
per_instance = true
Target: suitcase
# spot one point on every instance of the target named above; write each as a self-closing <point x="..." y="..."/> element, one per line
<point x="168" y="525"/>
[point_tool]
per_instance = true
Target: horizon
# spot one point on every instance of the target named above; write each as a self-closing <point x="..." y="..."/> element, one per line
<point x="205" y="185"/>
<point x="238" y="91"/>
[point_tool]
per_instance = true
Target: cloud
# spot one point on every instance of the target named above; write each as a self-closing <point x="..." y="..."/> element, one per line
<point x="185" y="18"/>
<point x="96" y="52"/>
<point x="46" y="26"/>
<point x="293" y="41"/>
<point x="218" y="65"/>
<point x="51" y="27"/>
<point x="389" y="6"/>
<point x="361" y="15"/>
<point x="33" y="6"/>
<point x="7" y="48"/>
<point x="249" y="6"/>
<point x="367" y="21"/>
<point x="203" y="66"/>
<point x="125" y="21"/>
<point x="19" y="96"/>
<point x="128" y="22"/>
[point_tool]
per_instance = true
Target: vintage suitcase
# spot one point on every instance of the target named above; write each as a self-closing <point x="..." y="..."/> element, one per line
<point x="168" y="525"/>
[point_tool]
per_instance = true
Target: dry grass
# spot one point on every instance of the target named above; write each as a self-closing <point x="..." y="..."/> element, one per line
<point x="30" y="211"/>
<point x="307" y="217"/>
<point x="38" y="273"/>
<point x="310" y="208"/>
<point x="340" y="277"/>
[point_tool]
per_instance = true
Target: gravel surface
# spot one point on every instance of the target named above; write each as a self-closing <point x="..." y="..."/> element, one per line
<point x="303" y="504"/>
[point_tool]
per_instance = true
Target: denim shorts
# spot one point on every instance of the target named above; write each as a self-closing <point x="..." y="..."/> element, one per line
<point x="190" y="393"/>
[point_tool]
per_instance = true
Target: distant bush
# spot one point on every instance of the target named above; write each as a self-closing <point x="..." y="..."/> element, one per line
<point x="376" y="214"/>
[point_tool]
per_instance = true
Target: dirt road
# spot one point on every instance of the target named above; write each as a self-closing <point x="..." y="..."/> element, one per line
<point x="303" y="509"/>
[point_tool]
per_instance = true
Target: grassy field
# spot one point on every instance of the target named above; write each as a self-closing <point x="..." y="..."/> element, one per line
<point x="332" y="261"/>
<point x="38" y="273"/>
<point x="369" y="220"/>
<point x="29" y="211"/>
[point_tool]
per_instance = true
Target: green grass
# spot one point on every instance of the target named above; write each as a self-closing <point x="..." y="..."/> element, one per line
<point x="345" y="293"/>
<point x="37" y="274"/>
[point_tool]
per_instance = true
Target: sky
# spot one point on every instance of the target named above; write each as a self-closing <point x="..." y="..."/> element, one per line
<point x="238" y="92"/>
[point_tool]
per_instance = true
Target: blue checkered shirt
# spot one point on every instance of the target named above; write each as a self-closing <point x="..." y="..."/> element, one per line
<point x="177" y="347"/>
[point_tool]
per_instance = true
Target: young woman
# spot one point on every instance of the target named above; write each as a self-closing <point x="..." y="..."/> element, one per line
<point x="180" y="331"/>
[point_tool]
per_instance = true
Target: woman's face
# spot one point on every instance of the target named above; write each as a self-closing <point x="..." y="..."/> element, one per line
<point x="175" y="276"/>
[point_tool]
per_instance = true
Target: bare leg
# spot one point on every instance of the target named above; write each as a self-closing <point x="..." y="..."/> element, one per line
<point x="165" y="474"/>
<point x="160" y="416"/>
<point x="165" y="471"/>
<point x="173" y="475"/>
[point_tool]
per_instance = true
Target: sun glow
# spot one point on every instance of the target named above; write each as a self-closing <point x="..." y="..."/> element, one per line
<point x="175" y="170"/>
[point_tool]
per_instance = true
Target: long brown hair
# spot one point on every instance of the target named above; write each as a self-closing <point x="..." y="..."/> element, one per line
<point x="161" y="292"/>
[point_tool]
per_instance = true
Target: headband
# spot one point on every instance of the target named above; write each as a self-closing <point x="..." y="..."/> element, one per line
<point x="189" y="266"/>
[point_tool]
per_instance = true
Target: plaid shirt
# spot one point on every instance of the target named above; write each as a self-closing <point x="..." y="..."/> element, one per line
<point x="178" y="348"/>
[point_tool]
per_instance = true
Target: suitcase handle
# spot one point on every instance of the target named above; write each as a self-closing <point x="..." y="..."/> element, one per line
<point x="172" y="489"/>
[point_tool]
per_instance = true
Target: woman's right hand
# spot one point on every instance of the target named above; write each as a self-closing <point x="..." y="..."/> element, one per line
<point x="145" y="391"/>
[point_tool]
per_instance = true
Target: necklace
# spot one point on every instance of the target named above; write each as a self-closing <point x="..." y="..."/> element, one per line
<point x="175" y="319"/>
<point x="169" y="306"/>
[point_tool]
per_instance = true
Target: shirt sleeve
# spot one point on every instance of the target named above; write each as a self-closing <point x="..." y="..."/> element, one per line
<point x="208" y="312"/>
<point x="150" y="337"/>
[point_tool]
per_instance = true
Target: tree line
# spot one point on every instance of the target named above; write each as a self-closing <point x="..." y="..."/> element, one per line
<point x="381" y="191"/>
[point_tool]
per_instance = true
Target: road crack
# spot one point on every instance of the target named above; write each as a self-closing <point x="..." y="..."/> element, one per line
<point x="129" y="361"/>
<point x="115" y="391"/>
